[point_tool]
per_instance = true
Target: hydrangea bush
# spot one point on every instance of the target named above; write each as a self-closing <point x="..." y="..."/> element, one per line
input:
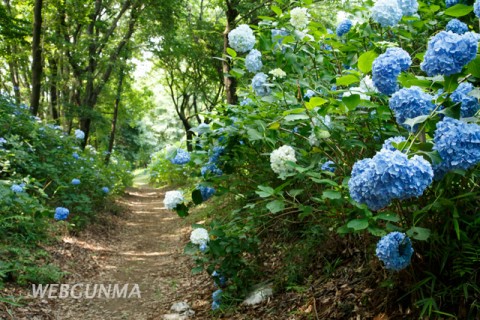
<point x="316" y="148"/>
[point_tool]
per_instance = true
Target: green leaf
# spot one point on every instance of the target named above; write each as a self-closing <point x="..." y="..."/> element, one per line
<point x="294" y="117"/>
<point x="474" y="67"/>
<point x="387" y="216"/>
<point x="331" y="194"/>
<point x="276" y="206"/>
<point x="325" y="181"/>
<point x="347" y="80"/>
<point x="458" y="10"/>
<point x="190" y="249"/>
<point x="365" y="61"/>
<point x="416" y="120"/>
<point x="315" y="102"/>
<point x="265" y="191"/>
<point x="254" y="135"/>
<point x="295" y="192"/>
<point x="277" y="10"/>
<point x="358" y="224"/>
<point x="197" y="197"/>
<point x="197" y="270"/>
<point x="418" y="233"/>
<point x="182" y="210"/>
<point x="231" y="52"/>
<point x="237" y="72"/>
<point x="351" y="101"/>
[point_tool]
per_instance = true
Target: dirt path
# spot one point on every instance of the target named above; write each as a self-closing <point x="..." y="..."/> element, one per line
<point x="148" y="251"/>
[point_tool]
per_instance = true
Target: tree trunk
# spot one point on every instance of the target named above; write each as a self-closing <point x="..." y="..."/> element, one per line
<point x="53" y="89"/>
<point x="36" y="58"/>
<point x="115" y="116"/>
<point x="230" y="83"/>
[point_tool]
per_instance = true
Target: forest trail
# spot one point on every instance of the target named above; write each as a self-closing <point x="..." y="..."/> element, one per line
<point x="148" y="251"/>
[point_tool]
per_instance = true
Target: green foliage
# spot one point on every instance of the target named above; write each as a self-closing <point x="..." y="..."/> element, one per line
<point x="42" y="160"/>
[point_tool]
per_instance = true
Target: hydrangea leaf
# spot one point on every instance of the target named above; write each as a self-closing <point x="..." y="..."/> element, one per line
<point x="265" y="191"/>
<point x="190" y="249"/>
<point x="277" y="10"/>
<point x="351" y="101"/>
<point x="387" y="216"/>
<point x="358" y="224"/>
<point x="294" y="117"/>
<point x="418" y="233"/>
<point x="474" y="67"/>
<point x="458" y="10"/>
<point x="231" y="52"/>
<point x="365" y="61"/>
<point x="276" y="206"/>
<point x="197" y="270"/>
<point x="412" y="122"/>
<point x="197" y="197"/>
<point x="315" y="102"/>
<point x="331" y="194"/>
<point x="182" y="210"/>
<point x="347" y="80"/>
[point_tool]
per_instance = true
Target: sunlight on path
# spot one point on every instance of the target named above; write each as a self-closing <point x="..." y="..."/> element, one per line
<point x="141" y="178"/>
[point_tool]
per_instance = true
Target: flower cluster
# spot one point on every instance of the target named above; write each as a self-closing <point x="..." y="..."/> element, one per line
<point x="253" y="61"/>
<point x="181" y="157"/>
<point x="75" y="156"/>
<point x="217" y="298"/>
<point x="469" y="104"/>
<point x="241" y="39"/>
<point x="75" y="182"/>
<point x="387" y="144"/>
<point x="458" y="144"/>
<point x="279" y="158"/>
<point x="277" y="37"/>
<point x="105" y="190"/>
<point x="476" y="8"/>
<point x="61" y="213"/>
<point x="299" y="18"/>
<point x="17" y="188"/>
<point x="173" y="199"/>
<point x="456" y="26"/>
<point x="389" y="175"/>
<point x="277" y="73"/>
<point x="259" y="84"/>
<point x="207" y="192"/>
<point x="395" y="251"/>
<point x="211" y="165"/>
<point x="387" y="67"/>
<point x="450" y="3"/>
<point x="408" y="7"/>
<point x="448" y="52"/>
<point x="409" y="103"/>
<point x="329" y="166"/>
<point x="220" y="280"/>
<point x="309" y="94"/>
<point x="343" y="27"/>
<point x="199" y="236"/>
<point x="79" y="134"/>
<point x="387" y="13"/>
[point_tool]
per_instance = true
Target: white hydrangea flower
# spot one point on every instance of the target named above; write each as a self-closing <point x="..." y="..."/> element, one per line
<point x="79" y="134"/>
<point x="366" y="84"/>
<point x="172" y="199"/>
<point x="278" y="73"/>
<point x="199" y="236"/>
<point x="241" y="39"/>
<point x="279" y="158"/>
<point x="299" y="18"/>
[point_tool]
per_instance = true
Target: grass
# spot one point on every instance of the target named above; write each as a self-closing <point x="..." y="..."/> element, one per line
<point x="141" y="178"/>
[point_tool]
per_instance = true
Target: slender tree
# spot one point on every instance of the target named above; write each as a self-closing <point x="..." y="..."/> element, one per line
<point x="36" y="58"/>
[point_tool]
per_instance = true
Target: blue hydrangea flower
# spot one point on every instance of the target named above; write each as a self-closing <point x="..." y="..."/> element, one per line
<point x="450" y="3"/>
<point x="387" y="13"/>
<point x="476" y="8"/>
<point x="2" y="141"/>
<point x="203" y="247"/>
<point x="212" y="168"/>
<point x="408" y="7"/>
<point x="217" y="295"/>
<point x="215" y="305"/>
<point x="222" y="281"/>
<point x="389" y="175"/>
<point x="241" y="39"/>
<point x="448" y="52"/>
<point x="395" y="251"/>
<point x="387" y="67"/>
<point x="75" y="182"/>
<point x="387" y="144"/>
<point x="458" y="144"/>
<point x="456" y="26"/>
<point x="79" y="134"/>
<point x="105" y="190"/>
<point x="409" y="103"/>
<point x="343" y="27"/>
<point x="469" y="104"/>
<point x="259" y="84"/>
<point x="309" y="94"/>
<point x="181" y="157"/>
<point x="246" y="102"/>
<point x="207" y="192"/>
<point x="75" y="156"/>
<point x="16" y="188"/>
<point x="61" y="213"/>
<point x="277" y="38"/>
<point x="329" y="166"/>
<point x="253" y="61"/>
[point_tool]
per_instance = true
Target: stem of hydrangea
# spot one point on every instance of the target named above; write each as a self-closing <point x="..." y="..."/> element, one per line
<point x="422" y="129"/>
